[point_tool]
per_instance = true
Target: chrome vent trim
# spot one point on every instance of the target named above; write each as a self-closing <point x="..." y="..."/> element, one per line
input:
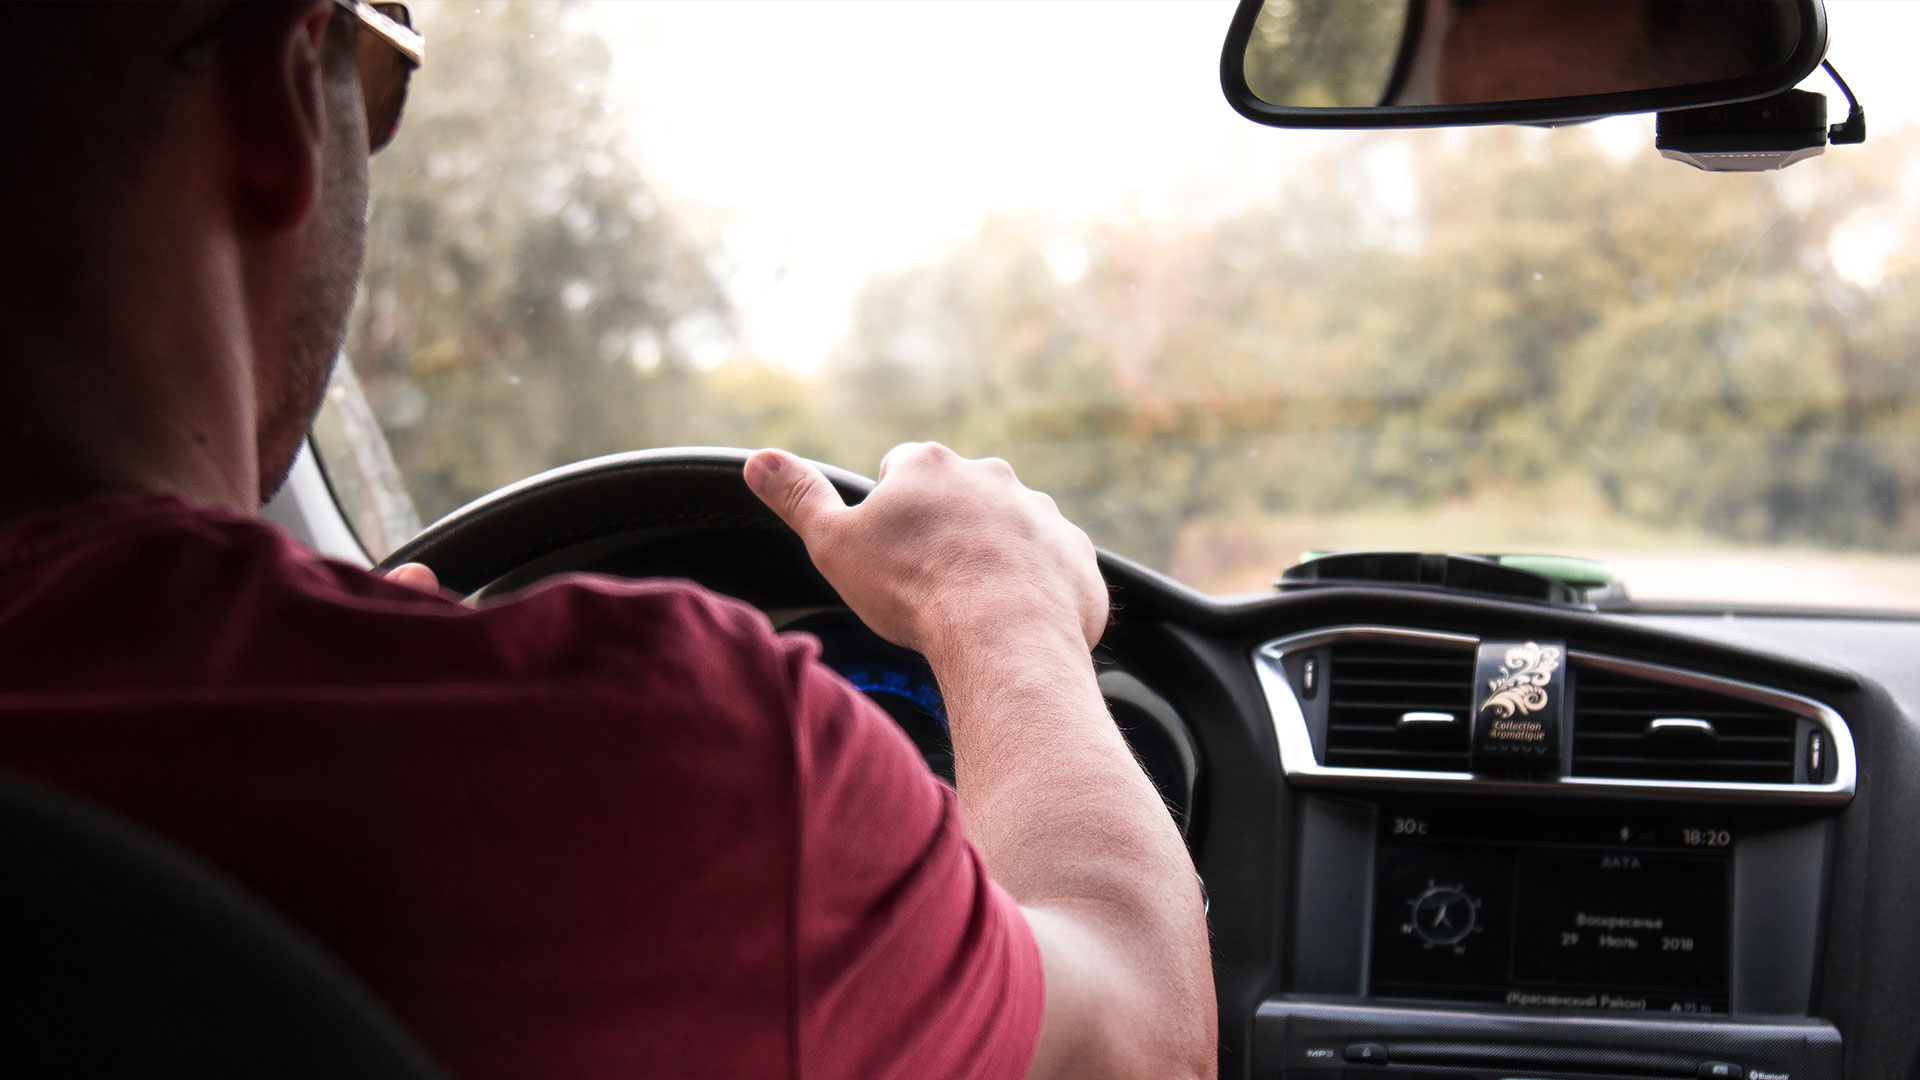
<point x="1301" y="766"/>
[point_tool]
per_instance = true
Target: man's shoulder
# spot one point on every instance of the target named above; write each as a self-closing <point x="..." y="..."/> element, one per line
<point x="174" y="594"/>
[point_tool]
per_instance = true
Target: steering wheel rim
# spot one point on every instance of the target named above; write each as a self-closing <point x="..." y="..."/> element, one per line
<point x="596" y="502"/>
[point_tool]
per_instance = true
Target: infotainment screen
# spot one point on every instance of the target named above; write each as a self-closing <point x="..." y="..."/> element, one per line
<point x="1604" y="915"/>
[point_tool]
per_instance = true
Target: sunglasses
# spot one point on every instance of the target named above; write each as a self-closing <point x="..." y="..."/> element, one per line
<point x="386" y="50"/>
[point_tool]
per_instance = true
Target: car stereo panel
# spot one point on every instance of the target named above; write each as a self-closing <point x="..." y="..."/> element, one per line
<point x="1634" y="921"/>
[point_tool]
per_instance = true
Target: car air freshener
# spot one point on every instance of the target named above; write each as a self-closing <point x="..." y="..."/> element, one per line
<point x="1519" y="696"/>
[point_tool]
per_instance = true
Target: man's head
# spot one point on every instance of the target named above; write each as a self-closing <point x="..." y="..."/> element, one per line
<point x="185" y="214"/>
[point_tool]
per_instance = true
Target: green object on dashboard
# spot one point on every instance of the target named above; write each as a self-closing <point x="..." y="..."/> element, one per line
<point x="1582" y="574"/>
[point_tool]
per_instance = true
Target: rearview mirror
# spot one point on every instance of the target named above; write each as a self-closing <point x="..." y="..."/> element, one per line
<point x="1422" y="63"/>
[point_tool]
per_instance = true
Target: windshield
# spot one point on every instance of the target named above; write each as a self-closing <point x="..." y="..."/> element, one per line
<point x="1039" y="232"/>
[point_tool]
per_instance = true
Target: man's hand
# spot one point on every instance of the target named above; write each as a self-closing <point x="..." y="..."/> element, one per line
<point x="417" y="576"/>
<point x="944" y="547"/>
<point x="954" y="558"/>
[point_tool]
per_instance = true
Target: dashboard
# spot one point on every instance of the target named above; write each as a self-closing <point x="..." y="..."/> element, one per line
<point x="1449" y="836"/>
<point x="1668" y="866"/>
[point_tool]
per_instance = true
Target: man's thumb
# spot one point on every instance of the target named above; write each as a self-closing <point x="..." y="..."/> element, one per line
<point x="415" y="575"/>
<point x="793" y="489"/>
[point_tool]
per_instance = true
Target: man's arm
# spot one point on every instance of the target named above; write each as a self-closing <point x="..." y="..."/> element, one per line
<point x="957" y="560"/>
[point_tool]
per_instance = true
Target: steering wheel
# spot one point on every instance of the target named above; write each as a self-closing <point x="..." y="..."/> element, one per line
<point x="687" y="512"/>
<point x="678" y="511"/>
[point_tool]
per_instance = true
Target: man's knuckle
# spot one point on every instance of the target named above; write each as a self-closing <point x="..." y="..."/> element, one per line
<point x="800" y="492"/>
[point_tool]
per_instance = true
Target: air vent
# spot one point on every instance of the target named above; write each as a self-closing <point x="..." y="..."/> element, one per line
<point x="1399" y="706"/>
<point x="1629" y="727"/>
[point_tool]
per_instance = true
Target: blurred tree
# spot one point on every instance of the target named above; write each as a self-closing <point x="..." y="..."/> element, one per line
<point x="527" y="302"/>
<point x="1680" y="341"/>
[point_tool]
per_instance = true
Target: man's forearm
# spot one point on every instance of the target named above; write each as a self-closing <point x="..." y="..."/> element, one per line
<point x="1052" y="794"/>
<point x="961" y="562"/>
<point x="1065" y="818"/>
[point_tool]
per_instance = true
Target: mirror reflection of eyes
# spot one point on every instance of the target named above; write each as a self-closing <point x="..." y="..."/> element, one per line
<point x="1368" y="53"/>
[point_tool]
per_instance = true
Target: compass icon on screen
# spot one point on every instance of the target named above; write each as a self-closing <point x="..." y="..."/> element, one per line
<point x="1444" y="914"/>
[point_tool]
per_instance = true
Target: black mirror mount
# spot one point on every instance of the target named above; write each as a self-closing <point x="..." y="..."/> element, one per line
<point x="1759" y="136"/>
<point x="1746" y="136"/>
<point x="1373" y="63"/>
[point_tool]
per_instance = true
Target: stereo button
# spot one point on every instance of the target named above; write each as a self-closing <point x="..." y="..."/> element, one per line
<point x="1720" y="1070"/>
<point x="1371" y="1053"/>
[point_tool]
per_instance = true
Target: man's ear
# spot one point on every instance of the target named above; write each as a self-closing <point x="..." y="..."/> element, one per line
<point x="279" y="113"/>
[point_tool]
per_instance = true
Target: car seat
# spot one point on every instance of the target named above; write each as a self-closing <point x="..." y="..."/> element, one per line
<point x="123" y="956"/>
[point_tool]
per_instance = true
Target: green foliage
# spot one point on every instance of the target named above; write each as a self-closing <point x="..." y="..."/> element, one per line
<point x="1679" y="341"/>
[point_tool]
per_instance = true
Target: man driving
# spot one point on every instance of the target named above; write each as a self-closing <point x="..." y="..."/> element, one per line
<point x="599" y="828"/>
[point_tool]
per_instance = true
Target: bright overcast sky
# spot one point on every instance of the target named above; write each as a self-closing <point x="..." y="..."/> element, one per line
<point x="823" y="142"/>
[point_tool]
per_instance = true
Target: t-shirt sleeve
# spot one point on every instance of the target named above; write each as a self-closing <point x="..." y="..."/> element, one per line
<point x="910" y="961"/>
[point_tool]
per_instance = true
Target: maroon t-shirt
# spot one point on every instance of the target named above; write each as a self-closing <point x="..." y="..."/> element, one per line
<point x="603" y="828"/>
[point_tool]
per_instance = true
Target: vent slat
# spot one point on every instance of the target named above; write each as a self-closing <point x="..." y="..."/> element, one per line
<point x="1383" y="752"/>
<point x="1708" y="762"/>
<point x="1635" y="736"/>
<point x="1637" y="727"/>
<point x="1688" y="708"/>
